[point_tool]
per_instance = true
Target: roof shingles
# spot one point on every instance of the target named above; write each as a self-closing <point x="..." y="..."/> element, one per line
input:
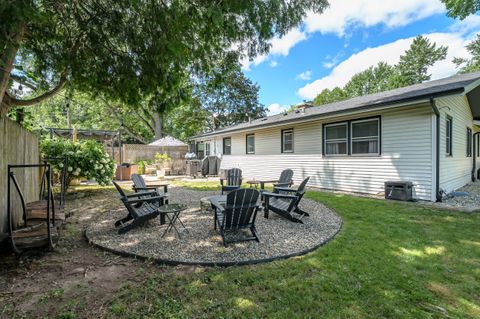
<point x="413" y="92"/>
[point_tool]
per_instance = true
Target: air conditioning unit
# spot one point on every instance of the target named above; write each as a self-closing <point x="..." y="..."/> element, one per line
<point x="399" y="190"/>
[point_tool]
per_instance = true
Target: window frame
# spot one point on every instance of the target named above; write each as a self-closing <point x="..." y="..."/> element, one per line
<point x="283" y="132"/>
<point x="223" y="143"/>
<point x="478" y="144"/>
<point x="246" y="143"/>
<point x="449" y="137"/>
<point x="351" y="138"/>
<point x="469" y="142"/>
<point x="207" y="148"/>
<point x="324" y="148"/>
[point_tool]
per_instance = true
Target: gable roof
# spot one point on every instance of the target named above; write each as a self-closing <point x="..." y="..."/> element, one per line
<point x="446" y="86"/>
<point x="167" y="141"/>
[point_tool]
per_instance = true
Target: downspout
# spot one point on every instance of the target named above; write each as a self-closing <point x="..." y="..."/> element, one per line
<point x="437" y="150"/>
<point x="474" y="157"/>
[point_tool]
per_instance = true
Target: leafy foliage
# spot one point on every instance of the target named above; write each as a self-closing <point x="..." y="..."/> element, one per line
<point x="414" y="64"/>
<point x="133" y="50"/>
<point x="161" y="158"/>
<point x="85" y="159"/>
<point x="472" y="64"/>
<point x="373" y="80"/>
<point x="461" y="8"/>
<point x="228" y="96"/>
<point x="412" y="69"/>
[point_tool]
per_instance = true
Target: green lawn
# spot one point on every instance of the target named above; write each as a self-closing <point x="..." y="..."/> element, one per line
<point x="391" y="260"/>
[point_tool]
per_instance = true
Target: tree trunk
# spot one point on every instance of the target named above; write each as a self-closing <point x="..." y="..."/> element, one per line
<point x="6" y="65"/>
<point x="158" y="125"/>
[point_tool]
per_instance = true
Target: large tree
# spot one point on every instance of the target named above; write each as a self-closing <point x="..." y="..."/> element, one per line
<point x="228" y="96"/>
<point x="414" y="64"/>
<point x="461" y="8"/>
<point x="127" y="50"/>
<point x="473" y="63"/>
<point x="373" y="80"/>
<point x="330" y="96"/>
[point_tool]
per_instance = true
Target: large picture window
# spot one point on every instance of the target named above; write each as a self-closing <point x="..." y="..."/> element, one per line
<point x="365" y="136"/>
<point x="448" y="136"/>
<point x="250" y="144"/>
<point x="287" y="141"/>
<point x="227" y="146"/>
<point x="336" y="139"/>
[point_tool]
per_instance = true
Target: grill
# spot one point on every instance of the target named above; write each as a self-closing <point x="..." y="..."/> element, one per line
<point x="193" y="167"/>
<point x="399" y="190"/>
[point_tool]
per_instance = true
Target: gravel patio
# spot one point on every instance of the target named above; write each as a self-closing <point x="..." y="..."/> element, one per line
<point x="202" y="245"/>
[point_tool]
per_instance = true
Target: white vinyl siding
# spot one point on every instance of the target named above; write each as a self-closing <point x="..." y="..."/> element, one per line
<point x="455" y="170"/>
<point x="406" y="142"/>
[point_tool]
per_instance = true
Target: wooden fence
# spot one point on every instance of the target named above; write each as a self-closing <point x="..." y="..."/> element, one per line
<point x="134" y="152"/>
<point x="17" y="146"/>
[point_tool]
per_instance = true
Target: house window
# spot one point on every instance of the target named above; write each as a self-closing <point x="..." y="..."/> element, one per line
<point x="448" y="136"/>
<point x="200" y="150"/>
<point x="469" y="142"/>
<point x="478" y="146"/>
<point x="227" y="146"/>
<point x="250" y="144"/>
<point x="287" y="141"/>
<point x="336" y="139"/>
<point x="207" y="149"/>
<point x="365" y="137"/>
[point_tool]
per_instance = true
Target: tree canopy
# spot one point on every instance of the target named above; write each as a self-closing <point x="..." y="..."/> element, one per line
<point x="473" y="63"/>
<point x="128" y="50"/>
<point x="411" y="69"/>
<point x="225" y="98"/>
<point x="461" y="8"/>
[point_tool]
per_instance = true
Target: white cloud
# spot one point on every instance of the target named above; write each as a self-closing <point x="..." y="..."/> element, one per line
<point x="279" y="47"/>
<point x="470" y="24"/>
<point x="304" y="76"/>
<point x="273" y="63"/>
<point x="343" y="14"/>
<point x="389" y="53"/>
<point x="276" y="108"/>
<point x="330" y="61"/>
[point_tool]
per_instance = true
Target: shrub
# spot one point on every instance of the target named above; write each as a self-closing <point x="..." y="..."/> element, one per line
<point x="141" y="165"/>
<point x="85" y="159"/>
<point x="162" y="158"/>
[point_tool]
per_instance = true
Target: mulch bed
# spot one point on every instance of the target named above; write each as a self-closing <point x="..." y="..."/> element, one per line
<point x="202" y="245"/>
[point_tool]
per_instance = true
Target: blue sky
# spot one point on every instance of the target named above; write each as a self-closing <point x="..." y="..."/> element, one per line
<point x="351" y="35"/>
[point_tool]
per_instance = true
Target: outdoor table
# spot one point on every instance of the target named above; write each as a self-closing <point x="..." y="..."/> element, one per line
<point x="174" y="210"/>
<point x="164" y="185"/>
<point x="261" y="182"/>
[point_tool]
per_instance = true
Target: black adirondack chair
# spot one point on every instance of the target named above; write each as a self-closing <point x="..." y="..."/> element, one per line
<point x="233" y="180"/>
<point x="140" y="186"/>
<point x="285" y="179"/>
<point x="237" y="213"/>
<point x="140" y="206"/>
<point x="284" y="201"/>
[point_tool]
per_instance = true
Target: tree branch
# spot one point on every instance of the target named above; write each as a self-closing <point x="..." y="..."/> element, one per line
<point x="10" y="100"/>
<point x="144" y="120"/>
<point x="125" y="128"/>
<point x="22" y="80"/>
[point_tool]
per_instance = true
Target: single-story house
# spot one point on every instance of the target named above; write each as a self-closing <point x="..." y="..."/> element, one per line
<point x="424" y="133"/>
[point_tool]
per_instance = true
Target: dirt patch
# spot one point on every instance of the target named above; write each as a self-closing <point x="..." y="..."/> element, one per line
<point x="76" y="280"/>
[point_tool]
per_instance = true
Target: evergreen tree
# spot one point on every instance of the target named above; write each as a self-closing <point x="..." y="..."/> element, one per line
<point x="472" y="64"/>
